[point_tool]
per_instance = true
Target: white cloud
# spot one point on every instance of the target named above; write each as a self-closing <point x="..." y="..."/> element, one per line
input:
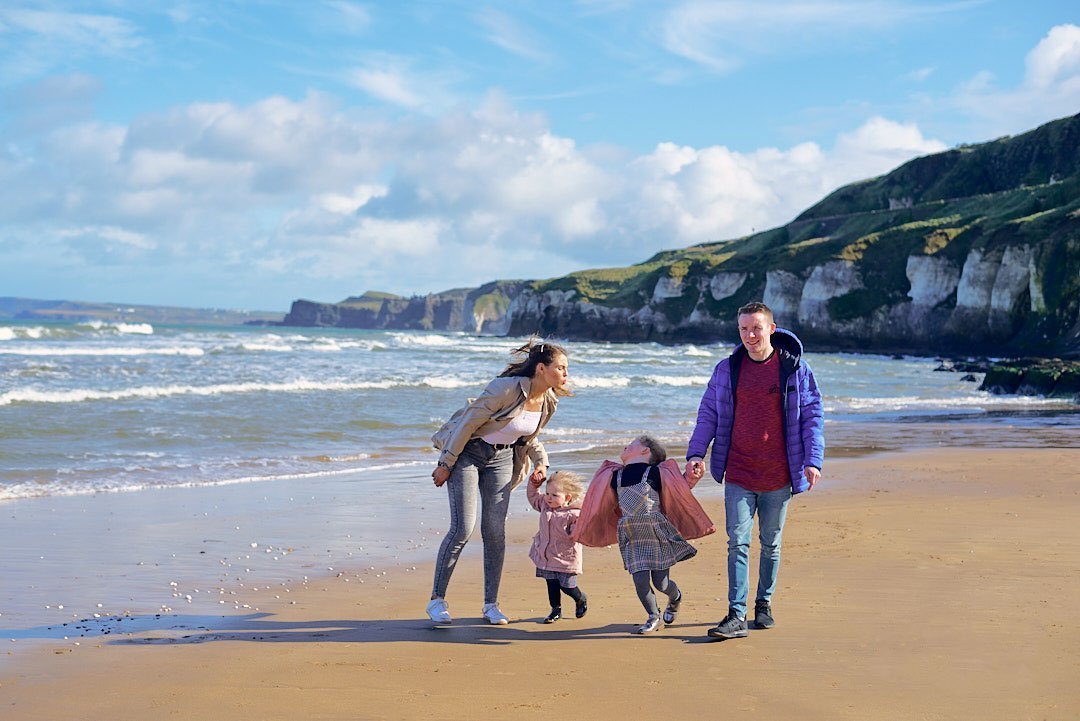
<point x="388" y="84"/>
<point x="1055" y="58"/>
<point x="713" y="193"/>
<point x="350" y="16"/>
<point x="392" y="79"/>
<point x="302" y="193"/>
<point x="1050" y="89"/>
<point x="345" y="204"/>
<point x="721" y="35"/>
<point x="505" y="32"/>
<point x="920" y="75"/>
<point x="101" y="32"/>
<point x="881" y="141"/>
<point x="109" y="234"/>
<point x="36" y="41"/>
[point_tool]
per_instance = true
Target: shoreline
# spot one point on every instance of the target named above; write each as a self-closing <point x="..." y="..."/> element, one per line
<point x="203" y="548"/>
<point x="913" y="585"/>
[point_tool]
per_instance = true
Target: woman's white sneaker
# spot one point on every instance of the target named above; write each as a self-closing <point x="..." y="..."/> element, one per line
<point x="438" y="612"/>
<point x="494" y="616"/>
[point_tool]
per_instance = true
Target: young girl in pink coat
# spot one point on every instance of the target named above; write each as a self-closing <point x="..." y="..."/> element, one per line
<point x="556" y="555"/>
<point x="646" y="505"/>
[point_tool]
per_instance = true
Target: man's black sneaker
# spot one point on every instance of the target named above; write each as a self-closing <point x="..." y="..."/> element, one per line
<point x="731" y="627"/>
<point x="763" y="615"/>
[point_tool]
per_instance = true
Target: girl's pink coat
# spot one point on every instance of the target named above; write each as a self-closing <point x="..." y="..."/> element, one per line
<point x="552" y="548"/>
<point x="599" y="517"/>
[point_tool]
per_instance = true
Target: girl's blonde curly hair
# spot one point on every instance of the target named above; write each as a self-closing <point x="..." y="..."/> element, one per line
<point x="570" y="483"/>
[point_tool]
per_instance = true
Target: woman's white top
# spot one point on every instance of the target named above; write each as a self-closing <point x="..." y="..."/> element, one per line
<point x="523" y="424"/>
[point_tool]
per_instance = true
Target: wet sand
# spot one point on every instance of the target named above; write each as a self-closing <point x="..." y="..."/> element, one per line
<point x="935" y="584"/>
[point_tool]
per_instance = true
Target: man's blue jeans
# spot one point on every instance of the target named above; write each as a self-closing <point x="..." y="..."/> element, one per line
<point x="740" y="506"/>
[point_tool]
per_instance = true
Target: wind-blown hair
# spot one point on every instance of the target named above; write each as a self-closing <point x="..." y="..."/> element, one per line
<point x="531" y="354"/>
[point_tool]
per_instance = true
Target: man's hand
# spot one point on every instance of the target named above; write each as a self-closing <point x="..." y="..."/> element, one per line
<point x="538" y="475"/>
<point x="812" y="474"/>
<point x="695" y="467"/>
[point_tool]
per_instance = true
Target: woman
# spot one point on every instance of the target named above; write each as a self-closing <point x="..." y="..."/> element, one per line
<point x="486" y="447"/>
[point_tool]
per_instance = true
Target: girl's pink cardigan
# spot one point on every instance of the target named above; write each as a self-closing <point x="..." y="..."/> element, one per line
<point x="599" y="517"/>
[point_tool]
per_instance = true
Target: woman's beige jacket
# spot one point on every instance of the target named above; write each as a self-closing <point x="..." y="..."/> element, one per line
<point x="502" y="400"/>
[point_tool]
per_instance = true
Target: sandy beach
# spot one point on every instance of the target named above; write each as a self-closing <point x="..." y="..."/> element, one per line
<point x="933" y="584"/>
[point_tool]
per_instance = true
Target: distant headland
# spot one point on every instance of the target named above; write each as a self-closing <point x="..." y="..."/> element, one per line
<point x="74" y="311"/>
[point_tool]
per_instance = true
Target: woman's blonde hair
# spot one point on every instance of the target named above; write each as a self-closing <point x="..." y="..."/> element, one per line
<point x="570" y="483"/>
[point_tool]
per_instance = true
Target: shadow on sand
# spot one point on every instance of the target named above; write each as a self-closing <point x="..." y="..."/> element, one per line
<point x="165" y="629"/>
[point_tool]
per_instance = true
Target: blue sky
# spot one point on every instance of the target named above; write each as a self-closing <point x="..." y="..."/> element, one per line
<point x="244" y="154"/>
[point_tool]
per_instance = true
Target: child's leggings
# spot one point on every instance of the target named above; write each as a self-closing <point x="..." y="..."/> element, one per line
<point x="553" y="593"/>
<point x="663" y="584"/>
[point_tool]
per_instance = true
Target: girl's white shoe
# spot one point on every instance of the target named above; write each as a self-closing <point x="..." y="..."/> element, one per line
<point x="438" y="612"/>
<point x="494" y="616"/>
<point x="652" y="623"/>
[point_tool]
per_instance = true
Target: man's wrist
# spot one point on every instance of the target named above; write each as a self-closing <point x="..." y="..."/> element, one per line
<point x="443" y="464"/>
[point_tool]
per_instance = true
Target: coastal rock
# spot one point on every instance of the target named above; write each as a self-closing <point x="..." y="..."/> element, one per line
<point x="667" y="287"/>
<point x="783" y="293"/>
<point x="1011" y="289"/>
<point x="826" y="282"/>
<point x="725" y="285"/>
<point x="932" y="279"/>
<point x="476" y="310"/>
<point x="976" y="287"/>
<point x="1034" y="376"/>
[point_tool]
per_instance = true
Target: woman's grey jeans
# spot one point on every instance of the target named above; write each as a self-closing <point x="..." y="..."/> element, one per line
<point x="481" y="474"/>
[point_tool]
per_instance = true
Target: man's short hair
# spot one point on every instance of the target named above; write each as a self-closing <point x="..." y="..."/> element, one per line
<point x="756" y="307"/>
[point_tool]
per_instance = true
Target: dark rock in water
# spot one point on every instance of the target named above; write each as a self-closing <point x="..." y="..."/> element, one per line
<point x="970" y="378"/>
<point x="1034" y="376"/>
<point x="970" y="366"/>
<point x="964" y="366"/>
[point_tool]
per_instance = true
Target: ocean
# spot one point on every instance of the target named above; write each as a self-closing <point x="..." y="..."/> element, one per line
<point x="146" y="469"/>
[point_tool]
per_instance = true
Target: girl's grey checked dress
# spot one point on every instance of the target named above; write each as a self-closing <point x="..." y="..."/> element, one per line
<point x="647" y="539"/>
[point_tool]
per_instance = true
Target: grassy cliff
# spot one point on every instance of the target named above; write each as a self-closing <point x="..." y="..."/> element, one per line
<point x="1021" y="191"/>
<point x="974" y="250"/>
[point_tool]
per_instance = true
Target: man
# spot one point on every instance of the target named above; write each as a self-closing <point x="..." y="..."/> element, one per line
<point x="762" y="414"/>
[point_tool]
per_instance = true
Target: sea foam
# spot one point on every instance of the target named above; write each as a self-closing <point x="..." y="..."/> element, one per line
<point x="89" y="351"/>
<point x="32" y="395"/>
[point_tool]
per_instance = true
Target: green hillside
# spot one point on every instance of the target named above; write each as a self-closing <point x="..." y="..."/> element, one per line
<point x="1018" y="191"/>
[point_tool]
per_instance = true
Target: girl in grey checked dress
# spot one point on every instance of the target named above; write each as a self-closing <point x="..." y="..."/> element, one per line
<point x="650" y="545"/>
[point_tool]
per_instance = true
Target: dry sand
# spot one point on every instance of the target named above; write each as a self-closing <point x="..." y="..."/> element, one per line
<point x="937" y="584"/>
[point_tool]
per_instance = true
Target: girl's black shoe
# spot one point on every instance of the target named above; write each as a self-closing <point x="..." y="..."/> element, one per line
<point x="555" y="615"/>
<point x="581" y="607"/>
<point x="672" y="609"/>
